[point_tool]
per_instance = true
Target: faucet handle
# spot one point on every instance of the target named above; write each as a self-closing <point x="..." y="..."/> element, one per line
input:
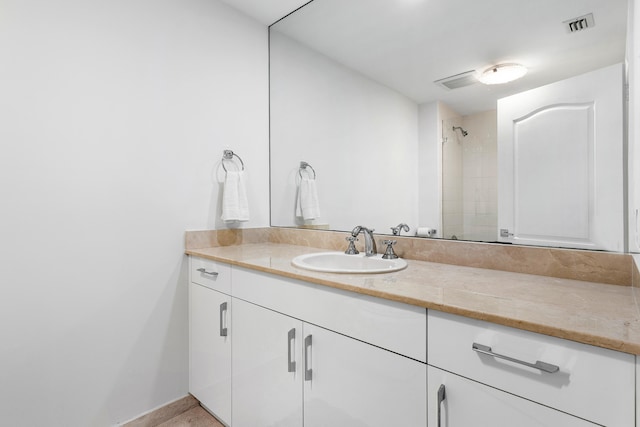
<point x="389" y="253"/>
<point x="400" y="227"/>
<point x="351" y="250"/>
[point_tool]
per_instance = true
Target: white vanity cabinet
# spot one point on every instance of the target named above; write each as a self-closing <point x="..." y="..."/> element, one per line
<point x="585" y="382"/>
<point x="337" y="377"/>
<point x="210" y="337"/>
<point x="266" y="350"/>
<point x="346" y="381"/>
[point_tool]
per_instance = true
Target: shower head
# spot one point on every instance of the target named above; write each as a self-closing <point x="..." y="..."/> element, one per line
<point x="462" y="131"/>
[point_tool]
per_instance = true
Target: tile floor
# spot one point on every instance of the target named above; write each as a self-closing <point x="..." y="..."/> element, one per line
<point x="194" y="417"/>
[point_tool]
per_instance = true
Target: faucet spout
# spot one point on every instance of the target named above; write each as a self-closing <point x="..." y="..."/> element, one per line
<point x="369" y="241"/>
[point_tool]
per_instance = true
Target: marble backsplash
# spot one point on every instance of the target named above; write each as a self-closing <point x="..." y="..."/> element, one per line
<point x="591" y="266"/>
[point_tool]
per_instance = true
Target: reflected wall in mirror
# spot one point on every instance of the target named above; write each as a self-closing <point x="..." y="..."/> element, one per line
<point x="353" y="93"/>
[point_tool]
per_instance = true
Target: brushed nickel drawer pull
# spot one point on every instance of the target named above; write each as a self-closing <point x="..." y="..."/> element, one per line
<point x="543" y="366"/>
<point x="210" y="273"/>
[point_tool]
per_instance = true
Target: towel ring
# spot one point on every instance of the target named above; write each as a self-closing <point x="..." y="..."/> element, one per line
<point x="304" y="165"/>
<point x="228" y="155"/>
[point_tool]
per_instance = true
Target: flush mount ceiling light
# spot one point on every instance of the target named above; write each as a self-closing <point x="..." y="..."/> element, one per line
<point x="502" y="73"/>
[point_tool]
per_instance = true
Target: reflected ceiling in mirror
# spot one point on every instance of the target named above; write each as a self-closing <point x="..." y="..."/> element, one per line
<point x="407" y="45"/>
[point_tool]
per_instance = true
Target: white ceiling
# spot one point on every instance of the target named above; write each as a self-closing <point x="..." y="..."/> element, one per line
<point x="266" y="11"/>
<point x="408" y="44"/>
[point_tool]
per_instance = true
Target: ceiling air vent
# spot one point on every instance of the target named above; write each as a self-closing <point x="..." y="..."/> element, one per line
<point x="580" y="23"/>
<point x="459" y="80"/>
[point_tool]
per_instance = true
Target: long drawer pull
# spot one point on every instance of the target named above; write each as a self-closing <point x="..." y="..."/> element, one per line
<point x="543" y="366"/>
<point x="210" y="273"/>
<point x="308" y="372"/>
<point x="291" y="337"/>
<point x="223" y="311"/>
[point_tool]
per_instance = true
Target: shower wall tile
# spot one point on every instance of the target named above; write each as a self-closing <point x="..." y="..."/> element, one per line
<point x="480" y="177"/>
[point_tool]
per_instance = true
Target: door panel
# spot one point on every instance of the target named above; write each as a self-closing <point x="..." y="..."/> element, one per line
<point x="356" y="384"/>
<point x="267" y="388"/>
<point x="210" y="350"/>
<point x="560" y="163"/>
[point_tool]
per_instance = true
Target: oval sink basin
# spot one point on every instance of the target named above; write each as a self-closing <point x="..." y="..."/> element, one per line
<point x="339" y="262"/>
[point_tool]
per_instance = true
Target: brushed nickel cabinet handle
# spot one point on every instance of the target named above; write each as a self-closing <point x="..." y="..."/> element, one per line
<point x="308" y="372"/>
<point x="291" y="337"/>
<point x="210" y="273"/>
<point x="223" y="310"/>
<point x="543" y="366"/>
<point x="442" y="395"/>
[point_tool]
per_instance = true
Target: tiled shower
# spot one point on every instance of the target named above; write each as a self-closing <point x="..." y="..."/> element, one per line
<point x="470" y="177"/>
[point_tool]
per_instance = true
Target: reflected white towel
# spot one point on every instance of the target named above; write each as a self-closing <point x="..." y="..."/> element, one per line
<point x="308" y="206"/>
<point x="235" y="206"/>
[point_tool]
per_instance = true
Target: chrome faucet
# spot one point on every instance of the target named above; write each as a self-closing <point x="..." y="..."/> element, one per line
<point x="369" y="242"/>
<point x="400" y="227"/>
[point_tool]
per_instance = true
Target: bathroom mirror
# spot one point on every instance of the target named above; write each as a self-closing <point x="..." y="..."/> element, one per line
<point x="358" y="90"/>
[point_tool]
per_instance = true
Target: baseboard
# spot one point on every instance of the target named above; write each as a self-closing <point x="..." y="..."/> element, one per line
<point x="163" y="413"/>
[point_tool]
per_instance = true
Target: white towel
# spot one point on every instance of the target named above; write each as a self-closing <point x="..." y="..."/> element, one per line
<point x="308" y="206"/>
<point x="235" y="206"/>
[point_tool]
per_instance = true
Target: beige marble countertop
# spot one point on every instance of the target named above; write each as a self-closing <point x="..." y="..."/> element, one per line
<point x="592" y="313"/>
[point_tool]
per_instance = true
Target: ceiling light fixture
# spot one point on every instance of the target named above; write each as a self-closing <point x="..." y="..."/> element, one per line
<point x="502" y="73"/>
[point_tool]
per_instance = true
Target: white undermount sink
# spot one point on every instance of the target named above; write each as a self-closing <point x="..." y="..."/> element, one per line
<point x="339" y="262"/>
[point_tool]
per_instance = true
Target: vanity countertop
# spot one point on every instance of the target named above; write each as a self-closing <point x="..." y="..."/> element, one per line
<point x="592" y="313"/>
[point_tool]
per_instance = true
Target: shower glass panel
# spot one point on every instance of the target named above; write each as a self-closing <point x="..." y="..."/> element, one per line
<point x="469" y="177"/>
<point x="452" y="224"/>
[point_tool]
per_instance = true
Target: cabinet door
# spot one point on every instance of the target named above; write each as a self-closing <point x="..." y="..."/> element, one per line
<point x="210" y="350"/>
<point x="351" y="383"/>
<point x="267" y="367"/>
<point x="455" y="401"/>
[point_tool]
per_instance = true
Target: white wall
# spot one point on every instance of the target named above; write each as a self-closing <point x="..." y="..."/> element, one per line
<point x="360" y="137"/>
<point x="113" y="118"/>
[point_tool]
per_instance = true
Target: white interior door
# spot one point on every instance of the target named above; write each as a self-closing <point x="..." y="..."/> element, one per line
<point x="560" y="163"/>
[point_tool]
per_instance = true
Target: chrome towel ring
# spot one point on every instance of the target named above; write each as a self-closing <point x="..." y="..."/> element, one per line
<point x="228" y="155"/>
<point x="304" y="166"/>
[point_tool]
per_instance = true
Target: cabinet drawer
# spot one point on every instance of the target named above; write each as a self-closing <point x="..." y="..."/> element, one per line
<point x="591" y="382"/>
<point x="212" y="274"/>
<point x="394" y="326"/>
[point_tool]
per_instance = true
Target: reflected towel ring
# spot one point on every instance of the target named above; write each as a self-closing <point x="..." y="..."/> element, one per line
<point x="228" y="155"/>
<point x="304" y="165"/>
